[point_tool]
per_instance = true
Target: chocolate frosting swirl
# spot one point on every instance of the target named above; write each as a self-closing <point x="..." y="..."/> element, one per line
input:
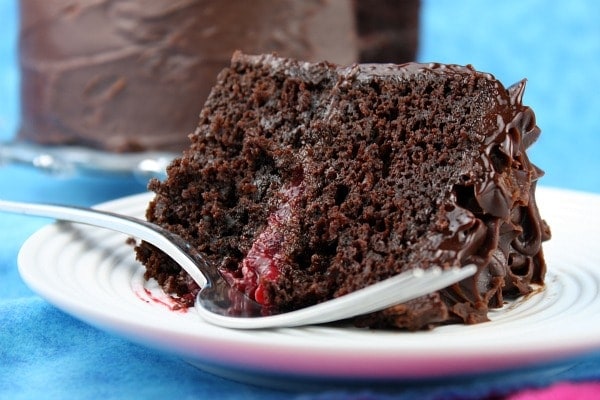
<point x="491" y="220"/>
<point x="494" y="222"/>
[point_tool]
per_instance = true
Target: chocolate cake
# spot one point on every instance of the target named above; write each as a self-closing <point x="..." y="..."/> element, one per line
<point x="305" y="181"/>
<point x="131" y="75"/>
<point x="387" y="30"/>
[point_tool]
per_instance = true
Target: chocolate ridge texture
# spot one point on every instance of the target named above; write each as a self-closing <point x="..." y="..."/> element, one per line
<point x="305" y="181"/>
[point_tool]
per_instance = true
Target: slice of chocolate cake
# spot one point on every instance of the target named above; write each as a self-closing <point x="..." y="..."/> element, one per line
<point x="307" y="181"/>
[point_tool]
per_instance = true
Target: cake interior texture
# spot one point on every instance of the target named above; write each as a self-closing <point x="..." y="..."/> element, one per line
<point x="307" y="181"/>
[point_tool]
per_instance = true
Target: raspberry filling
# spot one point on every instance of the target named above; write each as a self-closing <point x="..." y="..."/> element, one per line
<point x="265" y="259"/>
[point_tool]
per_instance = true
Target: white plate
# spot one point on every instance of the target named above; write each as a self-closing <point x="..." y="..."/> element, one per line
<point x="92" y="274"/>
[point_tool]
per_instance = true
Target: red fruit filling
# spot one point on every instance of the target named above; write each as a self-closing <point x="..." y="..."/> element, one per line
<point x="265" y="259"/>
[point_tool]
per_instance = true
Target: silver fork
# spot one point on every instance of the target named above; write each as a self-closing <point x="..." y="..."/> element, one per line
<point x="222" y="305"/>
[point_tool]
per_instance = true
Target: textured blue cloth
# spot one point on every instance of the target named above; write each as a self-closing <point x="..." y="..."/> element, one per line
<point x="45" y="353"/>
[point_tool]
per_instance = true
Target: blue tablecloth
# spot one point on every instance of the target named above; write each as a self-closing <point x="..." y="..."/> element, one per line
<point x="45" y="353"/>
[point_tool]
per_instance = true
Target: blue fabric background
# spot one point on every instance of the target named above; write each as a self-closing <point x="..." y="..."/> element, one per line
<point x="45" y="353"/>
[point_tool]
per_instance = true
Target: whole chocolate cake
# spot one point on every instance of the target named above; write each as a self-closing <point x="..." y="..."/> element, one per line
<point x="131" y="75"/>
<point x="387" y="30"/>
<point x="306" y="181"/>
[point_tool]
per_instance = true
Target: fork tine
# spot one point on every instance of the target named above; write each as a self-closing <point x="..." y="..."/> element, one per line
<point x="398" y="289"/>
<point x="404" y="287"/>
<point x="410" y="285"/>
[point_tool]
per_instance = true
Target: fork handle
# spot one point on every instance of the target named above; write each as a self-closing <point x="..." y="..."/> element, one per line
<point x="170" y="243"/>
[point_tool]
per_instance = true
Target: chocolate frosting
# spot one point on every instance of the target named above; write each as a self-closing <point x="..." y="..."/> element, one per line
<point x="492" y="222"/>
<point x="508" y="195"/>
<point x="127" y="75"/>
